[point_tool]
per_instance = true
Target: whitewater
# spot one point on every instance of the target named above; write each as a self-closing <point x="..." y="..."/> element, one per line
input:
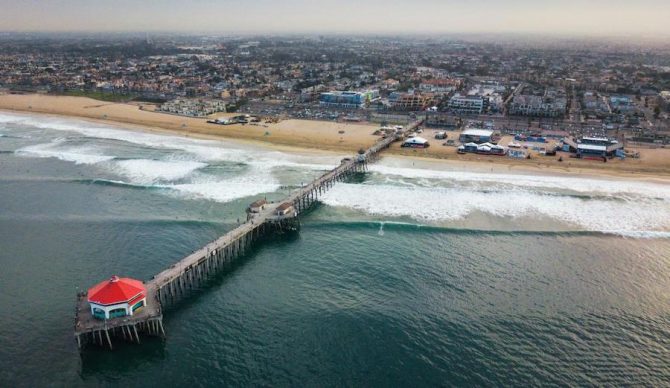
<point x="393" y="190"/>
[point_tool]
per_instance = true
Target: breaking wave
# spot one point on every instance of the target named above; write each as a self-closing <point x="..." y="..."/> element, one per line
<point x="541" y="182"/>
<point x="201" y="149"/>
<point x="220" y="171"/>
<point x="55" y="149"/>
<point x="181" y="166"/>
<point x="439" y="205"/>
<point x="145" y="171"/>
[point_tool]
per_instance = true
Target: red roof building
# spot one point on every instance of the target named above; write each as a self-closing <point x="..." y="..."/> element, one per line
<point x="116" y="297"/>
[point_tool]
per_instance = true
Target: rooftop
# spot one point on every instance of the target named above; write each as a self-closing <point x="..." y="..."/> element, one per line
<point x="477" y="132"/>
<point x="115" y="290"/>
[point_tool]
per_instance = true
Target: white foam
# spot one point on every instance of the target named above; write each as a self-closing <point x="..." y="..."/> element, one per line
<point x="178" y="170"/>
<point x="202" y="150"/>
<point x="640" y="234"/>
<point x="229" y="189"/>
<point x="78" y="155"/>
<point x="145" y="171"/>
<point x="450" y="204"/>
<point x="493" y="180"/>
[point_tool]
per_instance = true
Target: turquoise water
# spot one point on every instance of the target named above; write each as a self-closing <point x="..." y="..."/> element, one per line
<point x="404" y="276"/>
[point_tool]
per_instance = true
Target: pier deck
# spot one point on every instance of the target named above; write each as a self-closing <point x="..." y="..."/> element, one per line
<point x="169" y="285"/>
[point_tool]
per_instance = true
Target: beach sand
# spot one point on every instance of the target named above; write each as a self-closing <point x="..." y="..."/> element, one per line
<point x="318" y="136"/>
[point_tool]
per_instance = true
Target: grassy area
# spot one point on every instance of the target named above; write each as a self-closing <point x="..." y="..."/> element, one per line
<point x="111" y="97"/>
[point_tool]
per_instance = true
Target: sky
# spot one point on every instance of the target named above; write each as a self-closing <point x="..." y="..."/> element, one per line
<point x="563" y="17"/>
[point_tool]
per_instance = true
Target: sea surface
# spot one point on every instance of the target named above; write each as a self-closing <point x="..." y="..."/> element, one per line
<point x="408" y="275"/>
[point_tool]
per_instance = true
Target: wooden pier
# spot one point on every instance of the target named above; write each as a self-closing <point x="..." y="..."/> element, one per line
<point x="181" y="278"/>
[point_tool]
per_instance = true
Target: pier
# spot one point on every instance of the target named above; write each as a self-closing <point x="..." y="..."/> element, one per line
<point x="173" y="283"/>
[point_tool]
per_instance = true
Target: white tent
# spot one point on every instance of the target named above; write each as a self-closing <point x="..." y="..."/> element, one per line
<point x="416" y="140"/>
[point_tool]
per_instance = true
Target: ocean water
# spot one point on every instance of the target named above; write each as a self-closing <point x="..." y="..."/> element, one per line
<point x="408" y="275"/>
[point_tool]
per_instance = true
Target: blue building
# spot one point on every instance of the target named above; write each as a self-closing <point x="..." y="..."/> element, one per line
<point x="349" y="100"/>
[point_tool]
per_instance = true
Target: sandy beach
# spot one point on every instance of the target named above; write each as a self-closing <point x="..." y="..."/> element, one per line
<point x="319" y="136"/>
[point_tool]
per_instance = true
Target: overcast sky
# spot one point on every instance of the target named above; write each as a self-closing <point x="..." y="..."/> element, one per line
<point x="592" y="17"/>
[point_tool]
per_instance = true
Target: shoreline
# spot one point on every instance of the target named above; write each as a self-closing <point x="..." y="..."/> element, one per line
<point x="319" y="137"/>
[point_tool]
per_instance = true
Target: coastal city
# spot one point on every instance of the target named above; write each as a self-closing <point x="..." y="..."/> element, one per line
<point x="589" y="98"/>
<point x="368" y="194"/>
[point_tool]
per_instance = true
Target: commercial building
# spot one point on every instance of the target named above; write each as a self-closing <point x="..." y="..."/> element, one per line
<point x="347" y="99"/>
<point x="528" y="105"/>
<point x="116" y="297"/>
<point x="440" y="85"/>
<point x="409" y="102"/>
<point x="593" y="147"/>
<point x="467" y="104"/>
<point x="477" y="136"/>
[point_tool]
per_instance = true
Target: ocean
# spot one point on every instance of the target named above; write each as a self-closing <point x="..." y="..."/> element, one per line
<point x="415" y="273"/>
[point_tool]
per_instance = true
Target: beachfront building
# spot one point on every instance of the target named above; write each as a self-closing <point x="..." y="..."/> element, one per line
<point x="593" y="147"/>
<point x="193" y="107"/>
<point x="473" y="135"/>
<point x="467" y="104"/>
<point x="347" y="99"/>
<point x="549" y="105"/>
<point x="415" y="142"/>
<point x="409" y="102"/>
<point x="440" y="85"/>
<point x="440" y="119"/>
<point x="117" y="297"/>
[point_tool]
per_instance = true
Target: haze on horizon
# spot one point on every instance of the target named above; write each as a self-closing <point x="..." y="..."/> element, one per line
<point x="572" y="17"/>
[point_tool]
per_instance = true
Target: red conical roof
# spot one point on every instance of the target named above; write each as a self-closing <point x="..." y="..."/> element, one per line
<point x="115" y="290"/>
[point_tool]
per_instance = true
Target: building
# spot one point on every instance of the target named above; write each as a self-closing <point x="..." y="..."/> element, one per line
<point x="117" y="297"/>
<point x="492" y="94"/>
<point x="525" y="105"/>
<point x="415" y="142"/>
<point x="440" y="85"/>
<point x="193" y="107"/>
<point x="477" y="136"/>
<point x="436" y="119"/>
<point x="409" y="102"/>
<point x="285" y="209"/>
<point x="467" y="104"/>
<point x="257" y="206"/>
<point x="347" y="99"/>
<point x="538" y="102"/>
<point x="621" y="104"/>
<point x="664" y="98"/>
<point x="592" y="147"/>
